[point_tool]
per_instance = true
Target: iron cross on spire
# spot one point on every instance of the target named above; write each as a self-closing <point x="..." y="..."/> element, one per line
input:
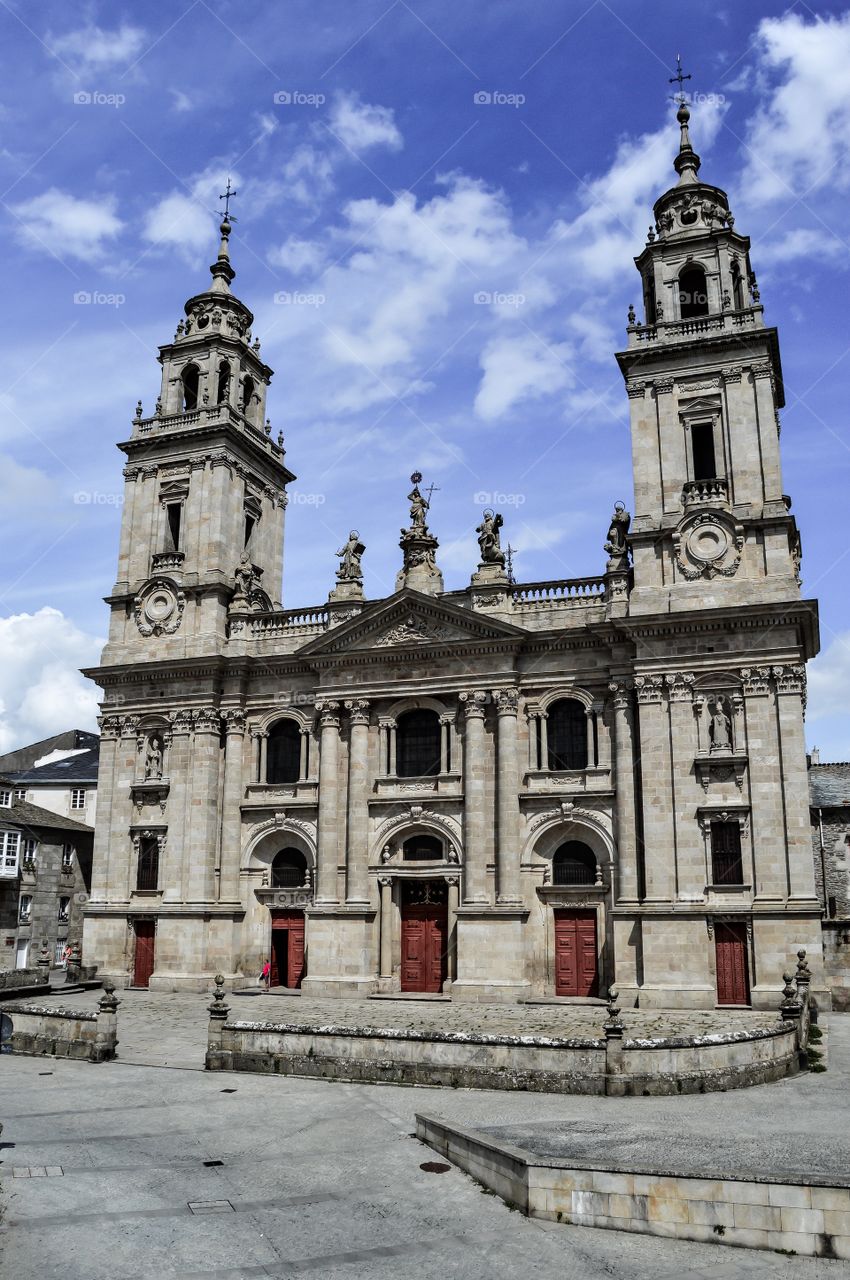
<point x="679" y="79"/>
<point x="226" y="196"/>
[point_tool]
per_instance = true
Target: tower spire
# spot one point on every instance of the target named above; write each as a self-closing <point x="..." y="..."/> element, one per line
<point x="221" y="270"/>
<point x="687" y="162"/>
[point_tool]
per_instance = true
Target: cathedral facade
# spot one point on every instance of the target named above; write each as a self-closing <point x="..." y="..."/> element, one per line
<point x="513" y="791"/>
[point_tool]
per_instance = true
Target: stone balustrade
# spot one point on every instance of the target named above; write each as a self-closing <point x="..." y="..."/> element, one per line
<point x="677" y="330"/>
<point x="308" y="621"/>
<point x="706" y="492"/>
<point x="560" y="593"/>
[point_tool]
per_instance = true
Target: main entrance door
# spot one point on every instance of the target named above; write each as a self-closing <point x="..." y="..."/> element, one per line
<point x="575" y="953"/>
<point x="424" y="935"/>
<point x="287" y="948"/>
<point x="733" y="977"/>
<point x="143" y="959"/>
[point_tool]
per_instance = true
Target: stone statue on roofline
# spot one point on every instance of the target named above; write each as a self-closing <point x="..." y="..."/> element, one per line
<point x="488" y="538"/>
<point x="350" y="568"/>
<point x="617" y="544"/>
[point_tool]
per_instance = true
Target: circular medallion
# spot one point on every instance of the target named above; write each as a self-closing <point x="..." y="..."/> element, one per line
<point x="708" y="542"/>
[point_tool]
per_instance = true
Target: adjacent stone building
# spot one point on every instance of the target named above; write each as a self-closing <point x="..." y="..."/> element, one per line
<point x="45" y="875"/>
<point x="509" y="791"/>
<point x="829" y="794"/>
<point x="58" y="773"/>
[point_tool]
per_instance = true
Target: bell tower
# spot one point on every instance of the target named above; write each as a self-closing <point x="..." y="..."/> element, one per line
<point x="712" y="525"/>
<point x="205" y="485"/>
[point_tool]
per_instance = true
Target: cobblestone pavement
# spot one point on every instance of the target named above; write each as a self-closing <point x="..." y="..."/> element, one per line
<point x="161" y="1028"/>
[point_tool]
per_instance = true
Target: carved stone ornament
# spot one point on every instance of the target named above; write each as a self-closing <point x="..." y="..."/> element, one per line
<point x="708" y="545"/>
<point x="411" y="631"/>
<point x="158" y="608"/>
<point x="621" y="693"/>
<point x="473" y="703"/>
<point x="507" y="701"/>
<point x="358" y="710"/>
<point x="679" y="686"/>
<point x="790" y="679"/>
<point x="649" y="689"/>
<point x="755" y="680"/>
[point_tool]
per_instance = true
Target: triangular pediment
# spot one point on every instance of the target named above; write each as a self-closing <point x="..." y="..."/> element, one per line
<point x="701" y="404"/>
<point x="410" y="620"/>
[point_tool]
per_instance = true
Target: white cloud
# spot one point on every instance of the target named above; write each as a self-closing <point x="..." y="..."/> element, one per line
<point x="518" y="369"/>
<point x="181" y="101"/>
<point x="57" y="221"/>
<point x="308" y="176"/>
<point x="828" y="714"/>
<point x="298" y="256"/>
<point x="800" y="139"/>
<point x="92" y="48"/>
<point x="179" y="220"/>
<point x="802" y="243"/>
<point x="41" y="690"/>
<point x="361" y="125"/>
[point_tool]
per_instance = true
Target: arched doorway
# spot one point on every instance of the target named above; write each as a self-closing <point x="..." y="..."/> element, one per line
<point x="424" y="935"/>
<point x="288" y="871"/>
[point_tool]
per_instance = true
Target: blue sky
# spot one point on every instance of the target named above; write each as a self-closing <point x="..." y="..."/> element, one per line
<point x="381" y="192"/>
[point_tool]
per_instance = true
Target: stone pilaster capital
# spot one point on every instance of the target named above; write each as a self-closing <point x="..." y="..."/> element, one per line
<point x="129" y="726"/>
<point x="791" y="678"/>
<point x="473" y="703"/>
<point x="506" y="701"/>
<point x="635" y="389"/>
<point x="328" y="713"/>
<point x="755" y="680"/>
<point x="649" y="689"/>
<point x="453" y="880"/>
<point x="385" y="880"/>
<point x="621" y="693"/>
<point x="207" y="720"/>
<point x="110" y="727"/>
<point x="680" y="686"/>
<point x="663" y="385"/>
<point x="732" y="374"/>
<point x="358" y="710"/>
<point x="234" y="720"/>
<point x="182" y="721"/>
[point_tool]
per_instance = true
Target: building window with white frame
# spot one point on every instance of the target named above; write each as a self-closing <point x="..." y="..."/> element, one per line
<point x="64" y="910"/>
<point x="78" y="798"/>
<point x="68" y="852"/>
<point x="29" y="848"/>
<point x="20" y="794"/>
<point x="10" y="842"/>
<point x="5" y="799"/>
<point x="25" y="908"/>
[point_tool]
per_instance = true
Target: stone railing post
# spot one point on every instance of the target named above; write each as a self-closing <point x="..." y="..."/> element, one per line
<point x="106" y="1038"/>
<point x="791" y="1008"/>
<point x="217" y="1058"/>
<point x="614" y="1030"/>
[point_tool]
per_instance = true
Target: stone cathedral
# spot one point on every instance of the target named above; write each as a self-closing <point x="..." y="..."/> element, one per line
<point x="508" y="792"/>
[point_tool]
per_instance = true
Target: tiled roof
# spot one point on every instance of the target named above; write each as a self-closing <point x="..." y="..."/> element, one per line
<point x="80" y="768"/>
<point x="22" y="814"/>
<point x="829" y="785"/>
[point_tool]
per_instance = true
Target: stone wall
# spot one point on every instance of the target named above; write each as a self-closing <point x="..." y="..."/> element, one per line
<point x="836" y="958"/>
<point x="757" y="1213"/>
<point x="830" y="837"/>
<point x="61" y="1033"/>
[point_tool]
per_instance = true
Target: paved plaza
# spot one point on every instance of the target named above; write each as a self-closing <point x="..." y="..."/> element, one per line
<point x="173" y="1173"/>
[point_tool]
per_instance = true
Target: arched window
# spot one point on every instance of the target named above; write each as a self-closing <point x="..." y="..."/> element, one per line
<point x="418" y="744"/>
<point x="248" y="397"/>
<point x="422" y="849"/>
<point x="649" y="297"/>
<point x="283" y="752"/>
<point x="693" y="293"/>
<point x="289" y="869"/>
<point x="189" y="377"/>
<point x="737" y="285"/>
<point x="223" y="389"/>
<point x="566" y="731"/>
<point x="574" y="863"/>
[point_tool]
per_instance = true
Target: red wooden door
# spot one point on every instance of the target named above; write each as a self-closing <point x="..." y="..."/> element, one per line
<point x="733" y="977"/>
<point x="287" y="951"/>
<point x="575" y="953"/>
<point x="424" y="932"/>
<point x="143" y="960"/>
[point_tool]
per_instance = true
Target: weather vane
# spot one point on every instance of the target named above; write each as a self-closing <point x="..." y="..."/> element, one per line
<point x="225" y="196"/>
<point x="679" y="79"/>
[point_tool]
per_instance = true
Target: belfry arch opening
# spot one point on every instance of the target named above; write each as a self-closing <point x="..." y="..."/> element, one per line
<point x="189" y="379"/>
<point x="223" y="387"/>
<point x="418" y="744"/>
<point x="574" y="862"/>
<point x="693" y="293"/>
<point x="283" y="752"/>
<point x="289" y="869"/>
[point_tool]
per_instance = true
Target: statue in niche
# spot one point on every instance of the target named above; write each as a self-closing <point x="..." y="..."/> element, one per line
<point x="153" y="758"/>
<point x="617" y="545"/>
<point x="350" y="569"/>
<point x="488" y="538"/>
<point x="245" y="577"/>
<point x="720" y="727"/>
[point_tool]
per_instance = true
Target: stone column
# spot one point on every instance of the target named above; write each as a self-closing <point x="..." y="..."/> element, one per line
<point x="445" y="729"/>
<point x="110" y="727"/>
<point x="179" y="800"/>
<point x="255" y="753"/>
<point x="357" y="838"/>
<point x="264" y="746"/>
<point x="532" y="718"/>
<point x="507" y="784"/>
<point x="454" y="902"/>
<point x="386" y="926"/>
<point x="544" y="740"/>
<point x="304" y="759"/>
<point x="204" y="823"/>
<point x="231" y="817"/>
<point x="790" y="691"/>
<point x="689" y="851"/>
<point x="474" y="818"/>
<point x="327" y="889"/>
<point x="591" y="748"/>
<point x="658" y="819"/>
<point x="767" y="828"/>
<point x="393" y="764"/>
<point x="624" y="773"/>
